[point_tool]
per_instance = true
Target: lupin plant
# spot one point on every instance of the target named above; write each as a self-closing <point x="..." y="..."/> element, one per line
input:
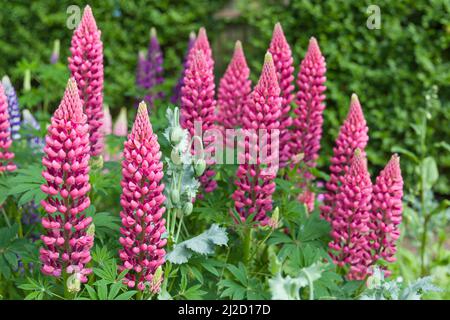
<point x="386" y="211"/>
<point x="86" y="66"/>
<point x="13" y="108"/>
<point x="308" y="118"/>
<point x="284" y="66"/>
<point x="54" y="58"/>
<point x="255" y="185"/>
<point x="36" y="143"/>
<point x="352" y="135"/>
<point x="68" y="237"/>
<point x="140" y="69"/>
<point x="153" y="70"/>
<point x="177" y="89"/>
<point x="120" y="128"/>
<point x="182" y="171"/>
<point x="142" y="199"/>
<point x="198" y="106"/>
<point x="350" y="218"/>
<point x="201" y="44"/>
<point x="6" y="156"/>
<point x="234" y="90"/>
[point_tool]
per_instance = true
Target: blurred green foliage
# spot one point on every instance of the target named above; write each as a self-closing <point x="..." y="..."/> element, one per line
<point x="390" y="68"/>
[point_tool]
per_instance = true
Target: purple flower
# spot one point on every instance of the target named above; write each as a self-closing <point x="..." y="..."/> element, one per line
<point x="177" y="89"/>
<point x="13" y="108"/>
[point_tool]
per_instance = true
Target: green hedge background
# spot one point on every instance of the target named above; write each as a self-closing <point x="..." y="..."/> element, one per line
<point x="390" y="69"/>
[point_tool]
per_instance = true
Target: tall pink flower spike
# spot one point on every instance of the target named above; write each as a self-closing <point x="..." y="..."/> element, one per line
<point x="352" y="135"/>
<point x="349" y="220"/>
<point x="6" y="156"/>
<point x="309" y="115"/>
<point x="255" y="185"/>
<point x="201" y="44"/>
<point x="67" y="242"/>
<point x="284" y="65"/>
<point x="386" y="213"/>
<point x="120" y="128"/>
<point x="86" y="65"/>
<point x="198" y="105"/>
<point x="142" y="205"/>
<point x="234" y="89"/>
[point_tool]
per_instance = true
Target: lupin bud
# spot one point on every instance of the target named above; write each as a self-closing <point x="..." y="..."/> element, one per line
<point x="156" y="280"/>
<point x="175" y="156"/>
<point x="199" y="167"/>
<point x="73" y="283"/>
<point x="91" y="230"/>
<point x="176" y="135"/>
<point x="174" y="196"/>
<point x="187" y="208"/>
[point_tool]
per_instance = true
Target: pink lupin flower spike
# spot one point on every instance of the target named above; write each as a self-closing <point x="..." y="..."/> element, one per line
<point x="309" y="115"/>
<point x="86" y="65"/>
<point x="386" y="213"/>
<point x="6" y="156"/>
<point x="198" y="105"/>
<point x="120" y="128"/>
<point x="352" y="135"/>
<point x="284" y="65"/>
<point x="254" y="187"/>
<point x="349" y="220"/>
<point x="67" y="242"/>
<point x="234" y="89"/>
<point x="107" y="123"/>
<point x="201" y="44"/>
<point x="142" y="205"/>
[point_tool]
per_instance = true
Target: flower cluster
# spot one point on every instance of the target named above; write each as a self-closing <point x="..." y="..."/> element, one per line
<point x="352" y="135"/>
<point x="309" y="115"/>
<point x="67" y="242"/>
<point x="198" y="105"/>
<point x="36" y="143"/>
<point x="386" y="213"/>
<point x="6" y="156"/>
<point x="142" y="198"/>
<point x="284" y="65"/>
<point x="86" y="65"/>
<point x="151" y="70"/>
<point x="234" y="89"/>
<point x="13" y="108"/>
<point x="255" y="184"/>
<point x="175" y="99"/>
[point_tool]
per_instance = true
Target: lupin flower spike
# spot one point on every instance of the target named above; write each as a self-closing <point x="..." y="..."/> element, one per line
<point x="153" y="69"/>
<point x="35" y="142"/>
<point x="350" y="217"/>
<point x="201" y="44"/>
<point x="175" y="99"/>
<point x="55" y="53"/>
<point x="309" y="115"/>
<point x="284" y="65"/>
<point x="107" y="123"/>
<point x="352" y="135"/>
<point x="198" y="105"/>
<point x="66" y="241"/>
<point x="86" y="65"/>
<point x="121" y="126"/>
<point x="6" y="156"/>
<point x="140" y="70"/>
<point x="386" y="213"/>
<point x="234" y="90"/>
<point x="13" y="108"/>
<point x="142" y="201"/>
<point x="253" y="194"/>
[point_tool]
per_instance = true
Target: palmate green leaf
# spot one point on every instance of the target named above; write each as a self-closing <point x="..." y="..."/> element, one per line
<point x="232" y="289"/>
<point x="194" y="292"/>
<point x="240" y="273"/>
<point x="202" y="244"/>
<point x="126" y="295"/>
<point x="289" y="288"/>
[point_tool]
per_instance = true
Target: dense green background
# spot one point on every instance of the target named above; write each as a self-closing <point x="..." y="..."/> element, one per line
<point x="390" y="69"/>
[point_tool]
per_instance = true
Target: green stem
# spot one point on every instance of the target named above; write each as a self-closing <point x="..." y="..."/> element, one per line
<point x="247" y="245"/>
<point x="8" y="223"/>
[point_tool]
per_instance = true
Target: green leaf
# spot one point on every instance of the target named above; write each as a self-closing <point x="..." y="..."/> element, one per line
<point x="114" y="290"/>
<point x="194" y="293"/>
<point x="429" y="172"/>
<point x="126" y="295"/>
<point x="239" y="273"/>
<point x="202" y="244"/>
<point x="91" y="292"/>
<point x="102" y="290"/>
